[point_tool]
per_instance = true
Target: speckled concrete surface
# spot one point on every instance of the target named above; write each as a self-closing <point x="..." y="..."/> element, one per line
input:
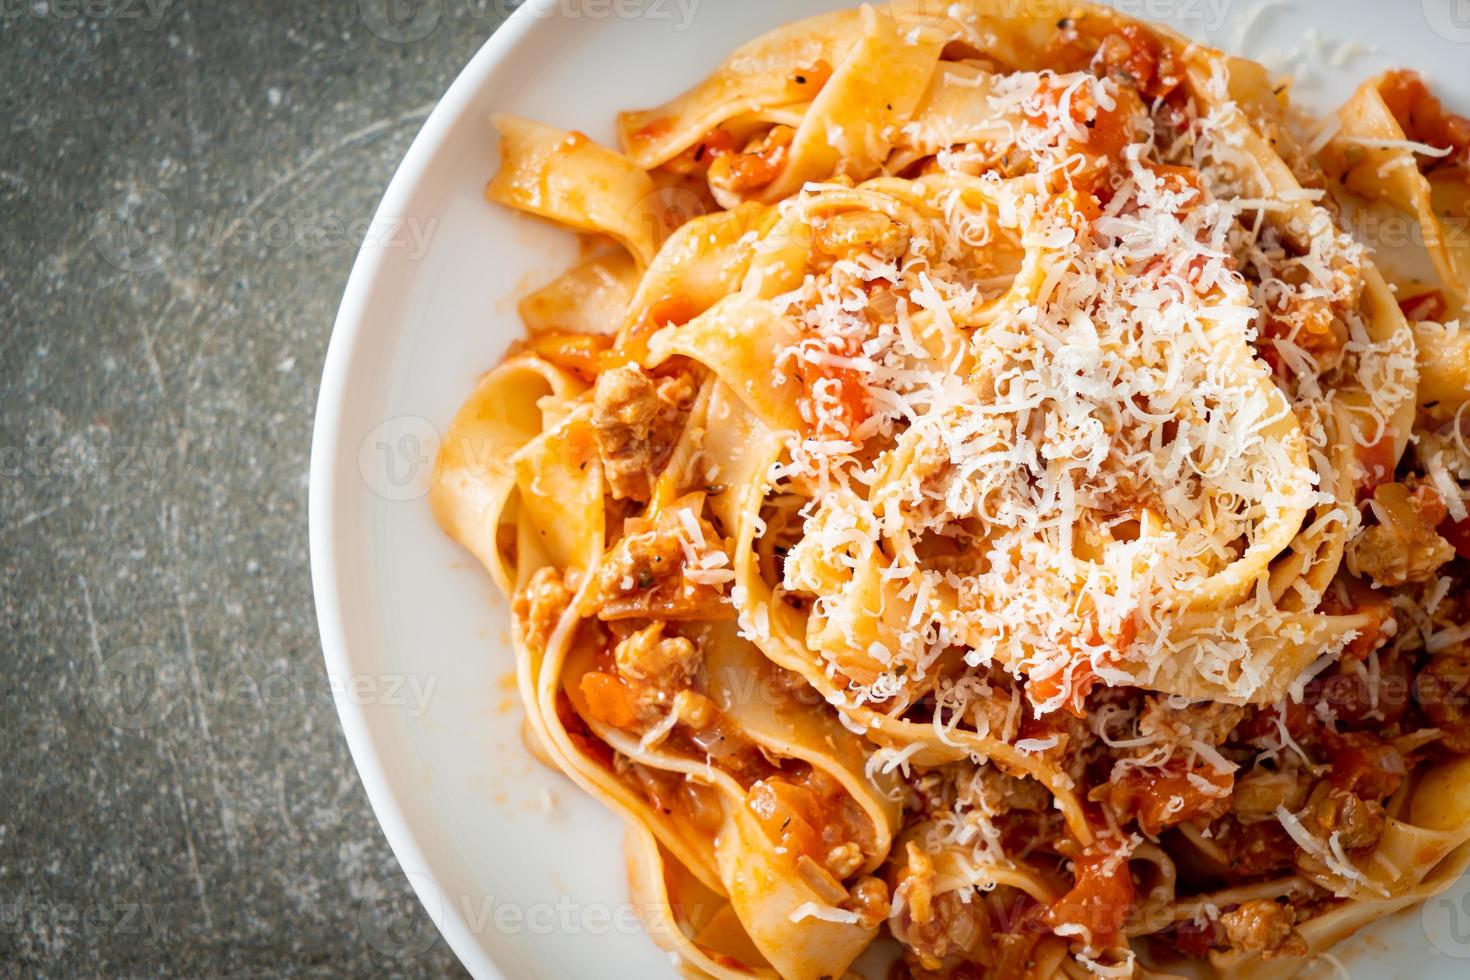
<point x="181" y="186"/>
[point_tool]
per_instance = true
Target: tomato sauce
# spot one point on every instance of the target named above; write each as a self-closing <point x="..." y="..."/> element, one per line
<point x="1351" y="597"/>
<point x="1422" y="117"/>
<point x="1377" y="460"/>
<point x="1101" y="896"/>
<point x="1163" y="798"/>
<point x="1365" y="765"/>
<point x="1457" y="533"/>
<point x="806" y="812"/>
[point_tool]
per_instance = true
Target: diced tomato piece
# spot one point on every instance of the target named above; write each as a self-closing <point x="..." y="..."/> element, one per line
<point x="1135" y="54"/>
<point x="1162" y="798"/>
<point x="581" y="736"/>
<point x="1102" y="894"/>
<point x="607" y="699"/>
<point x="810" y="79"/>
<point x="1377" y="459"/>
<point x="1422" y="116"/>
<point x="696" y="159"/>
<point x="1083" y="677"/>
<point x="1044" y="689"/>
<point x="1177" y="180"/>
<point x="677" y="309"/>
<point x="1350" y="598"/>
<point x="790" y="815"/>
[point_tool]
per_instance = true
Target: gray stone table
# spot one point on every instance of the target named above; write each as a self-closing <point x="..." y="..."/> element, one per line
<point x="181" y="186"/>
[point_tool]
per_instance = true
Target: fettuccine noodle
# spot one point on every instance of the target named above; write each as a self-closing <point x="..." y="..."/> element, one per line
<point x="985" y="494"/>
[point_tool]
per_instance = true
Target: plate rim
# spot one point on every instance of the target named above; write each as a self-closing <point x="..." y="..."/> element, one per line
<point x="324" y="485"/>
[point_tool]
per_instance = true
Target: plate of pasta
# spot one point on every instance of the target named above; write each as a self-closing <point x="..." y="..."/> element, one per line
<point x="930" y="489"/>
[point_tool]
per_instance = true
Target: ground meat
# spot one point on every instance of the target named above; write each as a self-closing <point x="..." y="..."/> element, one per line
<point x="1403" y="546"/>
<point x="1259" y="792"/>
<point x="844" y="860"/>
<point x="1013" y="953"/>
<point x="659" y="670"/>
<point x="869" y="899"/>
<point x="647" y="573"/>
<point x="1265" y="927"/>
<point x="1357" y="822"/>
<point x="916" y="885"/>
<point x="636" y="420"/>
<point x="640" y="559"/>
<point x="649" y="655"/>
<point x="954" y="928"/>
<point x="1443" y="691"/>
<point x="1257" y="849"/>
<point x="539" y="606"/>
<point x="1210" y="722"/>
<point x="999" y="792"/>
<point x="1184" y="788"/>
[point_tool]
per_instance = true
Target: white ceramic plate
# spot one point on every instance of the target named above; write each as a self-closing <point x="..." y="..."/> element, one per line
<point x="522" y="874"/>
